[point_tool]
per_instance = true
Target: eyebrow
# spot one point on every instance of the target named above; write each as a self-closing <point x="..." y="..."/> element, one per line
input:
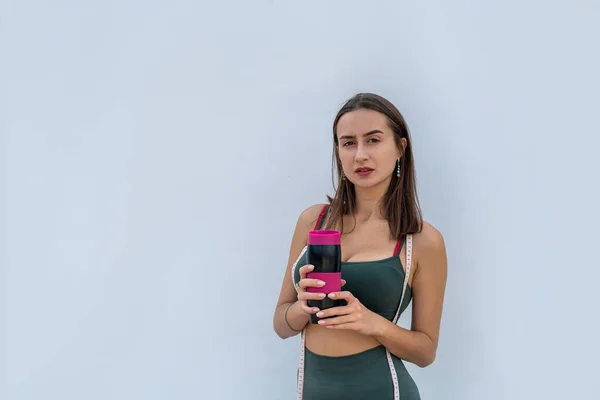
<point x="374" y="131"/>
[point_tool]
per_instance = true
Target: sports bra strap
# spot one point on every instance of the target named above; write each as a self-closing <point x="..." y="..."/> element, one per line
<point x="399" y="246"/>
<point x="319" y="220"/>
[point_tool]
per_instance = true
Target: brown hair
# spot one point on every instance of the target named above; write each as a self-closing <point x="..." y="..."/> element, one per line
<point x="400" y="205"/>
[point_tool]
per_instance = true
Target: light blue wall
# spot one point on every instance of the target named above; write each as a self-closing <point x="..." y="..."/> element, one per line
<point x="158" y="153"/>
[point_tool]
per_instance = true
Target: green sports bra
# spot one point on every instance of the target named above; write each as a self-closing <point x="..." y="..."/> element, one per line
<point x="377" y="284"/>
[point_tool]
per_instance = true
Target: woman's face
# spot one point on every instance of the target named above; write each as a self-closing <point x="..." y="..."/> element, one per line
<point x="367" y="149"/>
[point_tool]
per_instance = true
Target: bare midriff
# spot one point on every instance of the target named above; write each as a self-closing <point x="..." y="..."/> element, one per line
<point x="334" y="343"/>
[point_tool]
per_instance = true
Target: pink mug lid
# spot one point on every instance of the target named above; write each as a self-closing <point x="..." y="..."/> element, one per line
<point x="324" y="237"/>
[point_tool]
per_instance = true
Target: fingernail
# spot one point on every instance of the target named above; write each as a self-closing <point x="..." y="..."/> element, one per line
<point x="315" y="310"/>
<point x="311" y="267"/>
<point x="321" y="283"/>
<point x="322" y="295"/>
<point x="320" y="314"/>
<point x="332" y="295"/>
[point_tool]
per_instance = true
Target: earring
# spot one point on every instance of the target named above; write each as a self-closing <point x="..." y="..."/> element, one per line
<point x="398" y="168"/>
<point x="343" y="177"/>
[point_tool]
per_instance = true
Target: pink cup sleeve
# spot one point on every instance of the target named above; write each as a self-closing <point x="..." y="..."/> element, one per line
<point x="333" y="282"/>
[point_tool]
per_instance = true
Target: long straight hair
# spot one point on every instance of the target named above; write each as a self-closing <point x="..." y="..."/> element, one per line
<point x="400" y="205"/>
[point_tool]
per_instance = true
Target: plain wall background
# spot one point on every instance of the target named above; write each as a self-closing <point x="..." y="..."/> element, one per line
<point x="158" y="153"/>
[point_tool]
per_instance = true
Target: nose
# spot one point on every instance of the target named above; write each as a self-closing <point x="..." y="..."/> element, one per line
<point x="361" y="153"/>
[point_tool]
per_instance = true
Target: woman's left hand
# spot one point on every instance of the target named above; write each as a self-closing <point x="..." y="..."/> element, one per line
<point x="354" y="316"/>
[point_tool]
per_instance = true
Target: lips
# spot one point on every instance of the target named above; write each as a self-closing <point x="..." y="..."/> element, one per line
<point x="363" y="170"/>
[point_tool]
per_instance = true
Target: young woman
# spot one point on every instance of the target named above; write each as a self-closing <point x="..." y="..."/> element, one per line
<point x="390" y="257"/>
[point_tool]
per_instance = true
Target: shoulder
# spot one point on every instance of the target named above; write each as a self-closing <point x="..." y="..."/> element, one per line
<point x="429" y="244"/>
<point x="309" y="216"/>
<point x="305" y="223"/>
<point x="429" y="238"/>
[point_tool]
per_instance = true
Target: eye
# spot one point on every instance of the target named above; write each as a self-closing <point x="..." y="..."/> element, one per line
<point x="347" y="143"/>
<point x="374" y="140"/>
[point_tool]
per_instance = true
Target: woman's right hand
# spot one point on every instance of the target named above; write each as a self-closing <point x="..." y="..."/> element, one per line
<point x="303" y="295"/>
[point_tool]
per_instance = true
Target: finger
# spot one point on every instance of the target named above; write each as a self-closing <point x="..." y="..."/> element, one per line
<point x="331" y="312"/>
<point x="310" y="296"/>
<point x="307" y="282"/>
<point x="344" y="319"/>
<point x="343" y="282"/>
<point x="308" y="310"/>
<point x="349" y="325"/>
<point x="341" y="296"/>
<point x="305" y="269"/>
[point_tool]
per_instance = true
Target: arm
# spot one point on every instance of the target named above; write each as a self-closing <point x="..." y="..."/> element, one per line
<point x="296" y="317"/>
<point x="419" y="345"/>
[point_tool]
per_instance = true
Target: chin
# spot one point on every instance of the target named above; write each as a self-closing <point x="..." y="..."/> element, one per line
<point x="371" y="182"/>
<point x="368" y="183"/>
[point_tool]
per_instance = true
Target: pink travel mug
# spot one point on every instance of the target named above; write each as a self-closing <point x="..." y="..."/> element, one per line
<point x="324" y="252"/>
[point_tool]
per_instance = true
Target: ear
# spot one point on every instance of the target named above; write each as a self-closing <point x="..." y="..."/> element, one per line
<point x="403" y="144"/>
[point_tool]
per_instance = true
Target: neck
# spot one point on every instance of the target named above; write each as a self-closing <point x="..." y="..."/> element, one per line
<point x="368" y="201"/>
